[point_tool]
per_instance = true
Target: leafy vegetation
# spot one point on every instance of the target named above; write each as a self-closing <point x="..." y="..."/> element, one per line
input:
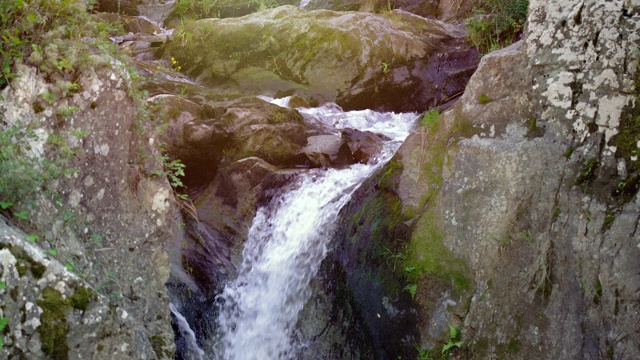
<point x="496" y="24"/>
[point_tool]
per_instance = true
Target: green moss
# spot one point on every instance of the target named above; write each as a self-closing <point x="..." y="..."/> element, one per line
<point x="429" y="256"/>
<point x="510" y="348"/>
<point x="534" y="131"/>
<point x="610" y="216"/>
<point x="158" y="344"/>
<point x="391" y="172"/>
<point x="81" y="298"/>
<point x="430" y="117"/>
<point x="37" y="270"/>
<point x="53" y="327"/>
<point x="569" y="152"/>
<point x="26" y="262"/>
<point x="598" y="294"/>
<point x="484" y="99"/>
<point x="21" y="267"/>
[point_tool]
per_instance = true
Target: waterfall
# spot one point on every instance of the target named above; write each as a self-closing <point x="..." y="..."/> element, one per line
<point x="288" y="240"/>
<point x="193" y="351"/>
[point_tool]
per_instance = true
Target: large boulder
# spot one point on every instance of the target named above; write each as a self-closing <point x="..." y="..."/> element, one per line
<point x="530" y="181"/>
<point x="396" y="61"/>
<point x="110" y="217"/>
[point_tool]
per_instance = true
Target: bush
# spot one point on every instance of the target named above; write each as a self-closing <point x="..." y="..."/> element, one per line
<point x="54" y="35"/>
<point x="497" y="23"/>
<point x="60" y="38"/>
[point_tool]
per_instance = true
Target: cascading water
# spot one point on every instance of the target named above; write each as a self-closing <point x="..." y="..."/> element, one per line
<point x="288" y="240"/>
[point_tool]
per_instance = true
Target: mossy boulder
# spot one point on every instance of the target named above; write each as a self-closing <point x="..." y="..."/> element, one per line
<point x="393" y="61"/>
<point x="203" y="9"/>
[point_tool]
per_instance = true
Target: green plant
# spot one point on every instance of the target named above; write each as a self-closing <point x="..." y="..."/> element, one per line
<point x="430" y="117"/>
<point x="497" y="23"/>
<point x="454" y="340"/>
<point x="174" y="170"/>
<point x="51" y="35"/>
<point x="412" y="289"/>
<point x="392" y="258"/>
<point x="265" y="4"/>
<point x="385" y="68"/>
<point x="3" y="324"/>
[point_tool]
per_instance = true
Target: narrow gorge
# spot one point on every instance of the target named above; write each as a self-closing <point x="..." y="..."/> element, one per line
<point x="322" y="179"/>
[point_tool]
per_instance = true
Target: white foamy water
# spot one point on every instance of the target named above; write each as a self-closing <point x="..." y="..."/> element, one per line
<point x="288" y="240"/>
<point x="193" y="350"/>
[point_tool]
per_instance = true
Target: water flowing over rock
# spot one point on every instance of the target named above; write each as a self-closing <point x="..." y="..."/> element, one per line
<point x="287" y="242"/>
<point x="397" y="61"/>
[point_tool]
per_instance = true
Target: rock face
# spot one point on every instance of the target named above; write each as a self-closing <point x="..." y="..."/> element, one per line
<point x="397" y="61"/>
<point x="111" y="218"/>
<point x="521" y="201"/>
<point x="54" y="314"/>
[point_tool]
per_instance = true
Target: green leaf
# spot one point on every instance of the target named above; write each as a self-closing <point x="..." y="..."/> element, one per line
<point x="5" y="204"/>
<point x="24" y="215"/>
<point x="453" y="332"/>
<point x="32" y="238"/>
<point x="31" y="17"/>
<point x="3" y="285"/>
<point x="51" y="252"/>
<point x="3" y="323"/>
<point x="68" y="266"/>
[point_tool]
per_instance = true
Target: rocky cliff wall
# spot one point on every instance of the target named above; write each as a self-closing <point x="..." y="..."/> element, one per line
<point x="106" y="217"/>
<point x="539" y="198"/>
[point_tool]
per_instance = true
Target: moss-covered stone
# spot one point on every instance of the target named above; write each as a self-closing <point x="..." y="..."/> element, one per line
<point x="54" y="327"/>
<point x="81" y="298"/>
<point x="26" y="263"/>
<point x="429" y="256"/>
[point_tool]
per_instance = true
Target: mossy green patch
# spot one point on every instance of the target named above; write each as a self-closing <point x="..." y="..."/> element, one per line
<point x="484" y="99"/>
<point x="534" y="130"/>
<point x="25" y="263"/>
<point x="53" y="327"/>
<point x="510" y="348"/>
<point x="81" y="298"/>
<point x="158" y="344"/>
<point x="391" y="171"/>
<point x="429" y="256"/>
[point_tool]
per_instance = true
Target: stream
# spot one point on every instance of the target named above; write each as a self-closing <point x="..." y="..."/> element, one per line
<point x="288" y="240"/>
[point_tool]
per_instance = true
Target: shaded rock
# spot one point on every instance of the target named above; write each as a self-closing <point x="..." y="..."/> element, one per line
<point x="397" y="61"/>
<point x="193" y="137"/>
<point x="328" y="151"/>
<point x="267" y="131"/>
<point x="225" y="210"/>
<point x="297" y="102"/>
<point x="51" y="312"/>
<point x="363" y="144"/>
